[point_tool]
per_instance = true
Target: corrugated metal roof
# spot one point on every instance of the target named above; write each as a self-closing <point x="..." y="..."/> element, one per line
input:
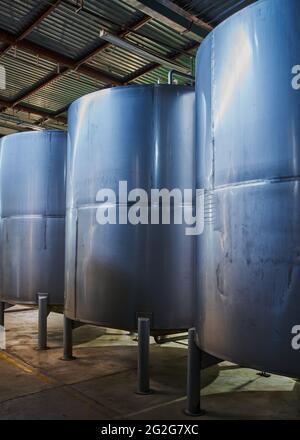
<point x="118" y="61"/>
<point x="160" y="74"/>
<point x="18" y="14"/>
<point x="63" y="91"/>
<point x="74" y="35"/>
<point x="22" y="70"/>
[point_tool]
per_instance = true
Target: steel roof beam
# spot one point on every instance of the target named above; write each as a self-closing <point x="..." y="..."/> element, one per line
<point x="12" y="126"/>
<point x="186" y="15"/>
<point x="174" y="17"/>
<point x="33" y="110"/>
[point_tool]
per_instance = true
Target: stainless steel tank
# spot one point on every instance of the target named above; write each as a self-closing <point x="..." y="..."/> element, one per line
<point x="32" y="194"/>
<point x="116" y="273"/>
<point x="248" y="146"/>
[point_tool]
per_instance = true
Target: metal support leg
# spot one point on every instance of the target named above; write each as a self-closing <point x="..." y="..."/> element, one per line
<point x="43" y="314"/>
<point x="143" y="356"/>
<point x="68" y="340"/>
<point x="194" y="377"/>
<point x="2" y="307"/>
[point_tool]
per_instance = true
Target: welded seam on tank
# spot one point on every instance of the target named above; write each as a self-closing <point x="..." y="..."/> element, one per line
<point x="33" y="216"/>
<point x="213" y="97"/>
<point x="76" y="267"/>
<point x="129" y="204"/>
<point x="258" y="182"/>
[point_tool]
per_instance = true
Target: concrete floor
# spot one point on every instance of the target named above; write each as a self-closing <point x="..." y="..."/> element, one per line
<point x="100" y="384"/>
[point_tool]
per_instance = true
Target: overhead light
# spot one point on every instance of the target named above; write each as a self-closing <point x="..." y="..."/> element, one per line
<point x="150" y="56"/>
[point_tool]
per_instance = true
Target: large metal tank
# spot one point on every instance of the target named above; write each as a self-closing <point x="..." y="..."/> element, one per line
<point x="116" y="273"/>
<point x="32" y="194"/>
<point x="248" y="141"/>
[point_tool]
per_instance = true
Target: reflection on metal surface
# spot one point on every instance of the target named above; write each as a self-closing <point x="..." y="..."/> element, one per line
<point x="143" y="135"/>
<point x="248" y="154"/>
<point x="234" y="72"/>
<point x="32" y="186"/>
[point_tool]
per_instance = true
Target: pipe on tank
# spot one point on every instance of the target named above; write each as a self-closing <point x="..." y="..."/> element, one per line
<point x="174" y="72"/>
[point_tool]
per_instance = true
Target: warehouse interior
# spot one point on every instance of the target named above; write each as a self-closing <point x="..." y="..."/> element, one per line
<point x="54" y="52"/>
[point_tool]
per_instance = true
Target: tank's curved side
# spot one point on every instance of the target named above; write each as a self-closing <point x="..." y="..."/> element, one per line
<point x="249" y="254"/>
<point x="143" y="135"/>
<point x="32" y="186"/>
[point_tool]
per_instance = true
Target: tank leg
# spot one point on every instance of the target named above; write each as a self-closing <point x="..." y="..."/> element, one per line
<point x="193" y="407"/>
<point x="143" y="356"/>
<point x="2" y="308"/>
<point x="68" y="340"/>
<point x="43" y="314"/>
